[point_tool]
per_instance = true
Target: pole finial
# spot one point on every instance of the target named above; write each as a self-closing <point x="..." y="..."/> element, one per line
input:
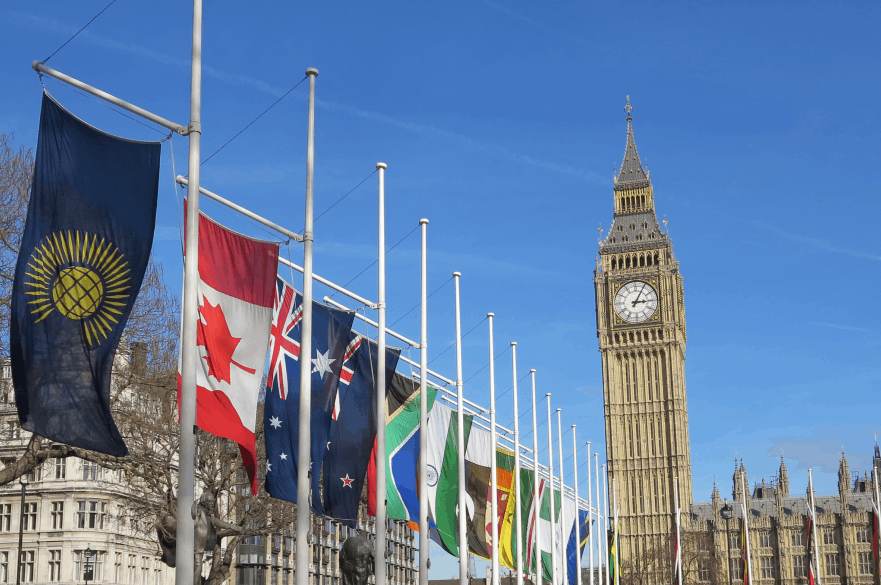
<point x="423" y="221"/>
<point x="312" y="71"/>
<point x="457" y="274"/>
<point x="381" y="165"/>
<point x="490" y="315"/>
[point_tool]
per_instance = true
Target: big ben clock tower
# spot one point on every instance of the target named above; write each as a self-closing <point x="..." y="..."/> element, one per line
<point x="640" y="315"/>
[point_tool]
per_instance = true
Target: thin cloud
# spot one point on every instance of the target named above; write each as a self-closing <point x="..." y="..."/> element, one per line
<point x="50" y="25"/>
<point x="841" y="327"/>
<point x="818" y="243"/>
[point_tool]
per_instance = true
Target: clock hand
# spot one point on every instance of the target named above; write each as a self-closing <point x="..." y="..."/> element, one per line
<point x="639" y="294"/>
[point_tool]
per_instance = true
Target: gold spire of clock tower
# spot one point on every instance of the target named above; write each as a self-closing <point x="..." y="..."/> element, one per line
<point x="641" y="332"/>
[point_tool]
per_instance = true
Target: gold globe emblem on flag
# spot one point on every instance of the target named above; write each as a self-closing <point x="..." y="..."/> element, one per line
<point x="82" y="276"/>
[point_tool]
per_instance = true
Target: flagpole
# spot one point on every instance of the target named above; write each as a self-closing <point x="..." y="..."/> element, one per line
<point x="381" y="404"/>
<point x="517" y="519"/>
<point x="460" y="441"/>
<point x="615" y="533"/>
<point x="601" y="534"/>
<point x="591" y="530"/>
<point x="536" y="494"/>
<point x="677" y="561"/>
<point x="605" y="539"/>
<point x="561" y="560"/>
<point x="185" y="534"/>
<point x="749" y="562"/>
<point x="577" y="513"/>
<point x="813" y="527"/>
<point x="304" y="454"/>
<point x="553" y="499"/>
<point x="423" y="411"/>
<point x="493" y="471"/>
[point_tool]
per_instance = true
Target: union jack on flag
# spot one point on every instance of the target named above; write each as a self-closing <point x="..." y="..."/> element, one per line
<point x="346" y="372"/>
<point x="282" y="343"/>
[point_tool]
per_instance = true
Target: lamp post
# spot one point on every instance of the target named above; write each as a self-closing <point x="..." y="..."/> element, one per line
<point x="88" y="567"/>
<point x="23" y="480"/>
<point x="727" y="512"/>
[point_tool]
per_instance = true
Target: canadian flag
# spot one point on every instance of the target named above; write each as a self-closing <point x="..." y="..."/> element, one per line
<point x="236" y="290"/>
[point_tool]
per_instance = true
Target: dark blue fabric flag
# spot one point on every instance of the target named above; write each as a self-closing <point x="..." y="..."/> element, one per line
<point x="83" y="254"/>
<point x="353" y="430"/>
<point x="330" y="333"/>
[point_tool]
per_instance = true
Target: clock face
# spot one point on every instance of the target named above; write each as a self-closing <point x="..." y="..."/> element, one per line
<point x="636" y="301"/>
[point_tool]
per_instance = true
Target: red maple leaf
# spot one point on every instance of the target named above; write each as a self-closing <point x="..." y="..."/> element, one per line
<point x="215" y="337"/>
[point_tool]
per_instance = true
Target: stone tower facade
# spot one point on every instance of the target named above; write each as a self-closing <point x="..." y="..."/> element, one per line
<point x="640" y="314"/>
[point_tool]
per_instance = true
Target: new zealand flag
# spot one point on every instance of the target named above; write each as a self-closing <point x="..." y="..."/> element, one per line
<point x="353" y="430"/>
<point x="330" y="334"/>
<point x="83" y="254"/>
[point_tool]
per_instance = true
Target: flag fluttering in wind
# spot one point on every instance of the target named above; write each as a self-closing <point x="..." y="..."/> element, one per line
<point x="573" y="551"/>
<point x="331" y="329"/>
<point x="235" y="292"/>
<point x="443" y="477"/>
<point x="613" y="552"/>
<point x="353" y="429"/>
<point x="402" y="451"/>
<point x="82" y="258"/>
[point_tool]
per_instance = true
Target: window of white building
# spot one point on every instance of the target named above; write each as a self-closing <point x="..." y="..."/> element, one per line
<point x="30" y="516"/>
<point x="57" y="515"/>
<point x="27" y="566"/>
<point x="54" y="565"/>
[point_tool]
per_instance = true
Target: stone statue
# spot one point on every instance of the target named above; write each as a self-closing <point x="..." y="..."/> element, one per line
<point x="356" y="560"/>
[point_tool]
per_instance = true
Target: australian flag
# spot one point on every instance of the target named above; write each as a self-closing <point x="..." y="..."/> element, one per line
<point x="353" y="429"/>
<point x="83" y="254"/>
<point x="331" y="329"/>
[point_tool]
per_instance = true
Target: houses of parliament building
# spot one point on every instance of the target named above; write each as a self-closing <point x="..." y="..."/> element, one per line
<point x="641" y="331"/>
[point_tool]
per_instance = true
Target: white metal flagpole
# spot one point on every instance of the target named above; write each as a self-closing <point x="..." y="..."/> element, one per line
<point x="592" y="531"/>
<point x="423" y="412"/>
<point x="184" y="549"/>
<point x="536" y="492"/>
<point x="553" y="507"/>
<point x="812" y="504"/>
<point x="577" y="512"/>
<point x="605" y="539"/>
<point x="493" y="471"/>
<point x="561" y="551"/>
<point x="517" y="519"/>
<point x="460" y="441"/>
<point x="677" y="561"/>
<point x="749" y="561"/>
<point x="304" y="455"/>
<point x="615" y="535"/>
<point x="379" y="555"/>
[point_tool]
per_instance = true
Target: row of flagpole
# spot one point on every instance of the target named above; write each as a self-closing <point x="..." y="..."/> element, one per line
<point x="185" y="553"/>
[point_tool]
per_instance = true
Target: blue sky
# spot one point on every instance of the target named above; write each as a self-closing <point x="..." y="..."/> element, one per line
<point x="503" y="123"/>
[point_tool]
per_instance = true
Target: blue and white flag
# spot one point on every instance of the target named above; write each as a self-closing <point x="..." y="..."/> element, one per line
<point x="330" y="334"/>
<point x="353" y="430"/>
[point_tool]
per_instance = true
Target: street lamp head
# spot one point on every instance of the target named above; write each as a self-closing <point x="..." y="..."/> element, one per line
<point x="727" y="511"/>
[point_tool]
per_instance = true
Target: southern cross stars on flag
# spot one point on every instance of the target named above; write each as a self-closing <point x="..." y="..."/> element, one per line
<point x="330" y="335"/>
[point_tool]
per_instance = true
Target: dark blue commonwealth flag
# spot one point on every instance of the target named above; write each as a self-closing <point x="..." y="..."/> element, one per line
<point x="353" y="428"/>
<point x="83" y="254"/>
<point x="330" y="334"/>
